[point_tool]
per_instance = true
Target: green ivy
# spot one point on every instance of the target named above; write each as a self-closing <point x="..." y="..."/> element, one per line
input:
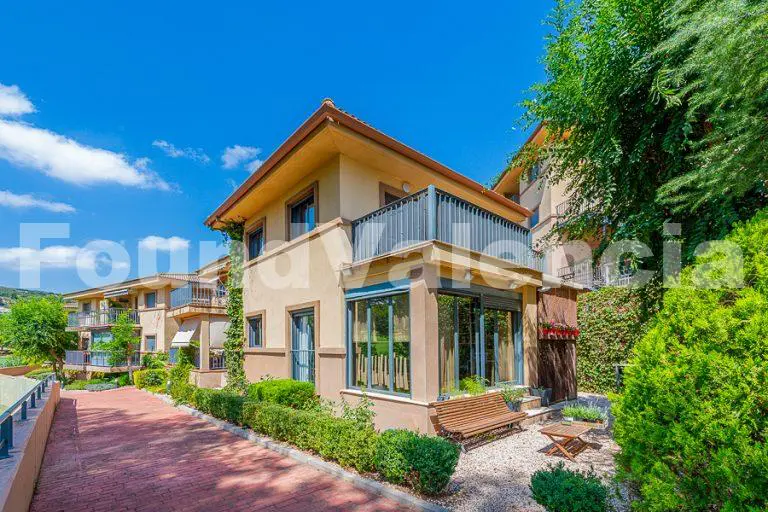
<point x="233" y="345"/>
<point x="610" y="321"/>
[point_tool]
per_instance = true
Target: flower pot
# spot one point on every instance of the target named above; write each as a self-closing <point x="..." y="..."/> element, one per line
<point x="545" y="394"/>
<point x="514" y="406"/>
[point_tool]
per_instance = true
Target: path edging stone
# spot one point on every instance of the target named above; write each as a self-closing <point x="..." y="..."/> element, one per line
<point x="360" y="481"/>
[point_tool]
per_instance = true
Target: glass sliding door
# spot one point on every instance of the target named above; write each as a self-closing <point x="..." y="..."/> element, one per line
<point x="503" y="349"/>
<point x="380" y="339"/>
<point x="303" y="345"/>
<point x="459" y="336"/>
<point x="477" y="342"/>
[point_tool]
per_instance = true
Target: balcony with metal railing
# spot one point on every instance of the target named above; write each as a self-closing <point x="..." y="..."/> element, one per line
<point x="432" y="214"/>
<point x="200" y="295"/>
<point x="100" y="318"/>
<point x="98" y="358"/>
<point x="597" y="276"/>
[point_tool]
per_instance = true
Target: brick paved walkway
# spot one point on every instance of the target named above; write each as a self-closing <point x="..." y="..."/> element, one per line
<point x="126" y="450"/>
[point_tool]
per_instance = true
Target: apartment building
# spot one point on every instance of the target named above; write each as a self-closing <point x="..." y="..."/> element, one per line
<point x="169" y="311"/>
<point x="371" y="268"/>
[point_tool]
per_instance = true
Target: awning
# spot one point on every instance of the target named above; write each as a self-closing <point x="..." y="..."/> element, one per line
<point x="217" y="331"/>
<point x="190" y="329"/>
<point x="116" y="293"/>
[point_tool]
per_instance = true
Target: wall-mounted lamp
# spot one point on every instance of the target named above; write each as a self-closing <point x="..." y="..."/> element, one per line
<point x="406" y="187"/>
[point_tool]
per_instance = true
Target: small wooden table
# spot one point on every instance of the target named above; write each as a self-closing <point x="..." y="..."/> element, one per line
<point x="567" y="438"/>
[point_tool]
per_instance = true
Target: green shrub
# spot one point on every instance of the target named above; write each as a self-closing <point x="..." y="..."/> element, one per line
<point x="512" y="394"/>
<point x="288" y="392"/>
<point x="221" y="404"/>
<point x="342" y="440"/>
<point x="433" y="461"/>
<point x="693" y="416"/>
<point x="474" y="385"/>
<point x="12" y="360"/>
<point x="100" y="386"/>
<point x="180" y="389"/>
<point x="390" y="455"/>
<point x="584" y="412"/>
<point x="561" y="490"/>
<point x="39" y="374"/>
<point x="143" y="379"/>
<point x="81" y="385"/>
<point x="611" y="320"/>
<point x="154" y="361"/>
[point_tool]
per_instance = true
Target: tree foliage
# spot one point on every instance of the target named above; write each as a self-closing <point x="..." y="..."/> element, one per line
<point x="35" y="328"/>
<point x="693" y="417"/>
<point x="124" y="343"/>
<point x="651" y="112"/>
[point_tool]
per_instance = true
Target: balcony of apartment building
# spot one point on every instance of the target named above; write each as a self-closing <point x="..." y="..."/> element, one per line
<point x="197" y="297"/>
<point x="447" y="225"/>
<point x="87" y="320"/>
<point x="98" y="361"/>
<point x="595" y="276"/>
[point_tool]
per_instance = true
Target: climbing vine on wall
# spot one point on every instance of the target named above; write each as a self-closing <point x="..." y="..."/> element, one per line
<point x="611" y="320"/>
<point x="233" y="345"/>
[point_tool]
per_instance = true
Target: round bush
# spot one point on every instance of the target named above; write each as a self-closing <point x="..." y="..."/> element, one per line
<point x="693" y="417"/>
<point x="433" y="461"/>
<point x="390" y="455"/>
<point x="561" y="490"/>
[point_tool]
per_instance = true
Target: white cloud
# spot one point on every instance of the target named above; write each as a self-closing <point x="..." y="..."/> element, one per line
<point x="8" y="198"/>
<point x="196" y="154"/>
<point x="61" y="157"/>
<point x="57" y="256"/>
<point x="236" y="155"/>
<point x="13" y="102"/>
<point x="158" y="243"/>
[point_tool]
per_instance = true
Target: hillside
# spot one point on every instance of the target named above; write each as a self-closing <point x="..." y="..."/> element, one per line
<point x="7" y="294"/>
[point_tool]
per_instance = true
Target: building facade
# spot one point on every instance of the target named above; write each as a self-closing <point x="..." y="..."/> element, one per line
<point x="371" y="268"/>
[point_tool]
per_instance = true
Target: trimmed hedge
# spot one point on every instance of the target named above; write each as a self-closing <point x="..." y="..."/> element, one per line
<point x="611" y="320"/>
<point x="288" y="392"/>
<point x="561" y="490"/>
<point x="100" y="386"/>
<point x="39" y="374"/>
<point x="390" y="455"/>
<point x="221" y="404"/>
<point x="342" y="440"/>
<point x="149" y="378"/>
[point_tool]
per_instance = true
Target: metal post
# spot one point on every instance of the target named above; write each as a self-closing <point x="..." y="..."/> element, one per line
<point x="431" y="213"/>
<point x="6" y="431"/>
<point x="32" y="403"/>
<point x="24" y="410"/>
<point x="39" y="392"/>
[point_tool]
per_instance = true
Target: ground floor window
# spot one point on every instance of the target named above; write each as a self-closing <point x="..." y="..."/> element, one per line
<point x="150" y="343"/>
<point x="477" y="342"/>
<point x="380" y="343"/>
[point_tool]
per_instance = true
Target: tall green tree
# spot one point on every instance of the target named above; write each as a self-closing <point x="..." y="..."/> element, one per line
<point x="124" y="343"/>
<point x="35" y="328"/>
<point x="648" y="118"/>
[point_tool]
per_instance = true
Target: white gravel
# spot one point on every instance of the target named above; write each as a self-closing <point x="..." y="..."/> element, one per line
<point x="495" y="477"/>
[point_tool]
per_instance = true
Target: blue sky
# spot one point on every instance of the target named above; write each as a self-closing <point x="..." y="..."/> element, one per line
<point x="121" y="114"/>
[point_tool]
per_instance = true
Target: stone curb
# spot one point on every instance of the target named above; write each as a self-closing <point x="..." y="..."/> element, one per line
<point x="365" y="483"/>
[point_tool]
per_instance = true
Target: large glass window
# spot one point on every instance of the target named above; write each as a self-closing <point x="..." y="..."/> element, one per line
<point x="380" y="336"/>
<point x="491" y="353"/>
<point x="150" y="343"/>
<point x="150" y="299"/>
<point x="302" y="215"/>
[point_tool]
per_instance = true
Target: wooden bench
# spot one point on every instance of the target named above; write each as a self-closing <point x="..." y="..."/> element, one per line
<point x="468" y="417"/>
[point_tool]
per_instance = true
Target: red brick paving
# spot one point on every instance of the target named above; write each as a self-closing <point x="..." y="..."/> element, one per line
<point x="126" y="450"/>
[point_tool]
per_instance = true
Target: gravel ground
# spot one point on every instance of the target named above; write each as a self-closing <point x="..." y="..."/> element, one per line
<point x="495" y="477"/>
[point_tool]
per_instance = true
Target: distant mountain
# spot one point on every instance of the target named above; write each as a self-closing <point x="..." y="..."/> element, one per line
<point x="8" y="295"/>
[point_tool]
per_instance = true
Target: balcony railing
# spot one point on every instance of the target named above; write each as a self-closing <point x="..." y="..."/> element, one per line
<point x="432" y="214"/>
<point x="100" y="318"/>
<point x="97" y="358"/>
<point x="216" y="360"/>
<point x="597" y="276"/>
<point x="199" y="294"/>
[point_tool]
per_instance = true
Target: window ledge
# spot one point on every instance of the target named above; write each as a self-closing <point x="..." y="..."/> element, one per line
<point x="384" y="396"/>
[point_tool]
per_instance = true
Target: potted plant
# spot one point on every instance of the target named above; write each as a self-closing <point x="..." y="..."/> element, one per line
<point x="585" y="413"/>
<point x="544" y="393"/>
<point x="513" y="397"/>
